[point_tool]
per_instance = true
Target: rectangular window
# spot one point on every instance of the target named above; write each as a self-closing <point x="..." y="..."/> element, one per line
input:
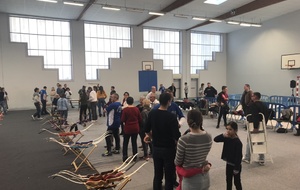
<point x="101" y="43"/>
<point x="47" y="38"/>
<point x="166" y="46"/>
<point x="202" y="48"/>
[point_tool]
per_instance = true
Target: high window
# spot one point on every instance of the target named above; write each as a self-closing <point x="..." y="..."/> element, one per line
<point x="166" y="46"/>
<point x="202" y="48"/>
<point x="48" y="38"/>
<point x="101" y="43"/>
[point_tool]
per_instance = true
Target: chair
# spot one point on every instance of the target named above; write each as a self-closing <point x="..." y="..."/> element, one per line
<point x="78" y="149"/>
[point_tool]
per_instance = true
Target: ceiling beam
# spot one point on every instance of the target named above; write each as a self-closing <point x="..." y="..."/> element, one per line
<point x="88" y="5"/>
<point x="252" y="6"/>
<point x="175" y="5"/>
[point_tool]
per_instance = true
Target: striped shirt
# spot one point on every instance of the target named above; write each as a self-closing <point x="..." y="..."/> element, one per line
<point x="192" y="150"/>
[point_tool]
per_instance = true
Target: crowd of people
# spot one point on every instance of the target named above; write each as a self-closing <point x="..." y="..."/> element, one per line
<point x="157" y="122"/>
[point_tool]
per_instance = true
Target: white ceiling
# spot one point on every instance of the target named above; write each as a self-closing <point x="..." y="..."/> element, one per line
<point x="194" y="8"/>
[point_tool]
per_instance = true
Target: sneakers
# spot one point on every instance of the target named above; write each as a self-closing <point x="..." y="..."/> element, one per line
<point x="33" y="117"/>
<point x="116" y="151"/>
<point x="217" y="126"/>
<point x="246" y="161"/>
<point x="261" y="162"/>
<point x="40" y="118"/>
<point x="107" y="154"/>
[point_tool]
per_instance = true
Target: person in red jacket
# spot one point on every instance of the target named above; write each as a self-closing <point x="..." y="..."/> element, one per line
<point x="131" y="117"/>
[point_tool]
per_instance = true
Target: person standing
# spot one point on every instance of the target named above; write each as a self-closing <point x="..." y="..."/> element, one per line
<point x="83" y="102"/>
<point x="113" y="111"/>
<point x="232" y="154"/>
<point x="161" y="88"/>
<point x="93" y="102"/>
<point x="52" y="94"/>
<point x="153" y="91"/>
<point x="246" y="98"/>
<point x="173" y="89"/>
<point x="222" y="100"/>
<point x="37" y="104"/>
<point x="201" y="91"/>
<point x="68" y="94"/>
<point x="255" y="109"/>
<point x="186" y="90"/>
<point x="162" y="129"/>
<point x="210" y="91"/>
<point x="131" y="117"/>
<point x="101" y="96"/>
<point x="63" y="107"/>
<point x="192" y="151"/>
<point x="43" y="96"/>
<point x="2" y="101"/>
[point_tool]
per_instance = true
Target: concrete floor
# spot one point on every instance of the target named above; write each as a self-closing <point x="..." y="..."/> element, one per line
<point x="281" y="174"/>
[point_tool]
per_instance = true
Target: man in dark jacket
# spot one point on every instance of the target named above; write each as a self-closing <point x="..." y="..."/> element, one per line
<point x="210" y="91"/>
<point x="255" y="109"/>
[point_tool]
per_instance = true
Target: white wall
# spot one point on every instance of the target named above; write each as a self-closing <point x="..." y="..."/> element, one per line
<point x="254" y="56"/>
<point x="20" y="73"/>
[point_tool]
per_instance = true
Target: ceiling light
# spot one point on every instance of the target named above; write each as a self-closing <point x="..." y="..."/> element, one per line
<point x="73" y="3"/>
<point x="245" y="24"/>
<point x="181" y="16"/>
<point x="48" y="1"/>
<point x="215" y="20"/>
<point x="198" y="18"/>
<point x="215" y="2"/>
<point x="256" y="25"/>
<point x="136" y="10"/>
<point x="156" y="13"/>
<point x="111" y="8"/>
<point x="233" y="22"/>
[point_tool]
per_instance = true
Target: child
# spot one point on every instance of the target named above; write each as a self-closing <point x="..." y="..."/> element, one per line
<point x="232" y="154"/>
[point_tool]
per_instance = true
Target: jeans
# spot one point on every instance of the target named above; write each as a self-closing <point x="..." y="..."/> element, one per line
<point x="44" y="111"/>
<point x="38" y="110"/>
<point x="94" y="111"/>
<point x="115" y="133"/>
<point x="133" y="138"/>
<point x="3" y="105"/>
<point x="82" y="112"/>
<point x="236" y="178"/>
<point x="223" y="112"/>
<point x="247" y="155"/>
<point x="163" y="159"/>
<point x="101" y="104"/>
<point x="145" y="145"/>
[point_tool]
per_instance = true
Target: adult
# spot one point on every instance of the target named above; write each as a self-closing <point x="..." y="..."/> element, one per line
<point x="173" y="89"/>
<point x="140" y="105"/>
<point x="83" y="102"/>
<point x="192" y="151"/>
<point x="131" y="117"/>
<point x="210" y="91"/>
<point x="162" y="129"/>
<point x="161" y="88"/>
<point x="174" y="109"/>
<point x="153" y="100"/>
<point x="144" y="113"/>
<point x="52" y="94"/>
<point x="59" y="90"/>
<point x="93" y="102"/>
<point x="255" y="109"/>
<point x="114" y="111"/>
<point x="186" y="90"/>
<point x="5" y="98"/>
<point x="2" y="100"/>
<point x="37" y="103"/>
<point x="63" y="107"/>
<point x="101" y="96"/>
<point x="222" y="100"/>
<point x="112" y="90"/>
<point x="201" y="91"/>
<point x="153" y="91"/>
<point x="68" y="94"/>
<point x="43" y="96"/>
<point x="246" y="98"/>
